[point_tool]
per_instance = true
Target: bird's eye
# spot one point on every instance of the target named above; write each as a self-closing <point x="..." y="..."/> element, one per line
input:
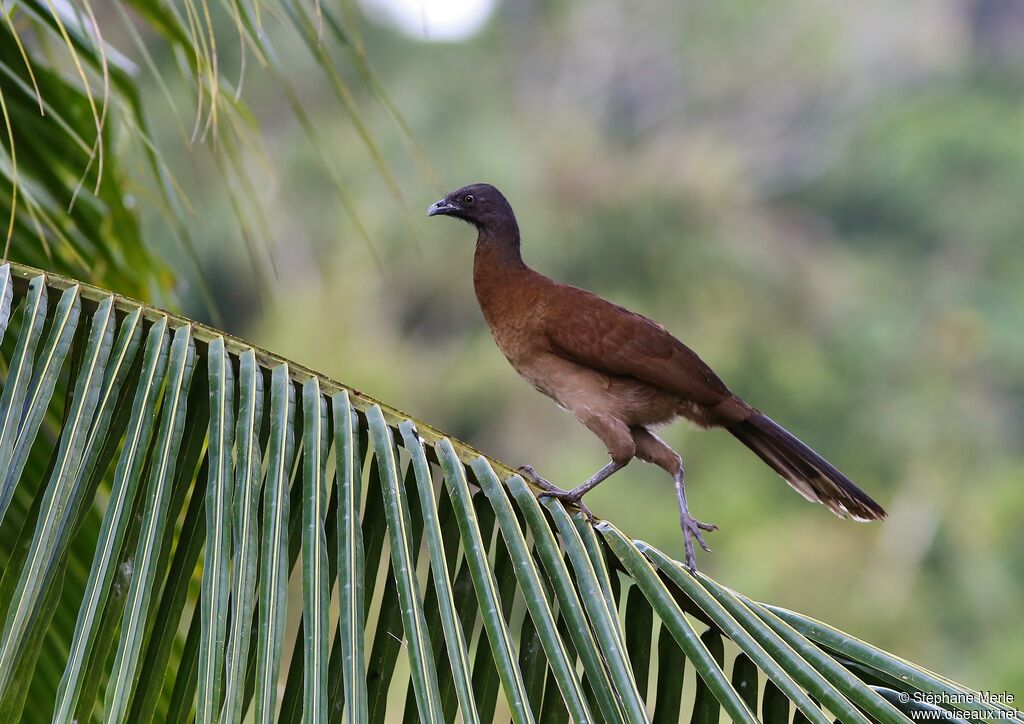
<point x="468" y="199"/>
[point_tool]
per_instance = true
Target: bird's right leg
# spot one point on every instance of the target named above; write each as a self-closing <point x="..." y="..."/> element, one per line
<point x="650" y="448"/>
<point x="621" y="448"/>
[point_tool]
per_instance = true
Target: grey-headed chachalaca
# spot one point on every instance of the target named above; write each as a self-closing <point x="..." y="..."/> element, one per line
<point x="621" y="374"/>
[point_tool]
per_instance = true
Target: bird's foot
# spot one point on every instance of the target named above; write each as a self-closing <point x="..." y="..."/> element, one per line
<point x="530" y="474"/>
<point x="553" y="491"/>
<point x="692" y="529"/>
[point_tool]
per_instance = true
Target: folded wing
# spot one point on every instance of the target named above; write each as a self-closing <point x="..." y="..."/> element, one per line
<point x="595" y="333"/>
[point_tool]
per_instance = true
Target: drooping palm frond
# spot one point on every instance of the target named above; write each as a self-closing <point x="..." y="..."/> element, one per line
<point x="78" y="149"/>
<point x="220" y="533"/>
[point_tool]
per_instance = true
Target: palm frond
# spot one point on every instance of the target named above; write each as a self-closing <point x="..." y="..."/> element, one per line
<point x="72" y="114"/>
<point x="147" y="568"/>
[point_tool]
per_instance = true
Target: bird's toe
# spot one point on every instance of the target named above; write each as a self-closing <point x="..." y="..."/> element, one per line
<point x="530" y="474"/>
<point x="692" y="530"/>
<point x="691" y="558"/>
<point x="566" y="496"/>
<point x="550" y="489"/>
<point x="585" y="510"/>
<point x="703" y="543"/>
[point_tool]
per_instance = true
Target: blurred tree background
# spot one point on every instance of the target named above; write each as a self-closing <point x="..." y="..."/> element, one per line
<point x="824" y="200"/>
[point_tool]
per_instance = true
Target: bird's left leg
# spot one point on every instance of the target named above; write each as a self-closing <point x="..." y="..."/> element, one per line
<point x="621" y="448"/>
<point x="573" y="496"/>
<point x="651" y="448"/>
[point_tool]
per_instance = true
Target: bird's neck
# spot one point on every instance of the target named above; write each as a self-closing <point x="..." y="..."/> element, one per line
<point x="498" y="271"/>
<point x="497" y="253"/>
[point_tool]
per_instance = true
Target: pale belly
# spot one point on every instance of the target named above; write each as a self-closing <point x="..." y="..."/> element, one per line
<point x="587" y="393"/>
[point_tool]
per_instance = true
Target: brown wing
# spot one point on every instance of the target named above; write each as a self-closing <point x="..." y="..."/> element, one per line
<point x="595" y="333"/>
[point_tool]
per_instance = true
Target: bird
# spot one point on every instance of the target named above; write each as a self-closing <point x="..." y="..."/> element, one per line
<point x="621" y="374"/>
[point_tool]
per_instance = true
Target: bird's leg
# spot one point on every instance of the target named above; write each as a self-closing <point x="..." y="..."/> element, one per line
<point x="691" y="526"/>
<point x="575" y="495"/>
<point x="652" y="449"/>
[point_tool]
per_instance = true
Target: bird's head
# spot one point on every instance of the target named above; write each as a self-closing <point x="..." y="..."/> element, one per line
<point x="479" y="204"/>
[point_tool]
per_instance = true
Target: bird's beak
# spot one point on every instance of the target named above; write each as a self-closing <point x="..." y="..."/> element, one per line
<point x="444" y="207"/>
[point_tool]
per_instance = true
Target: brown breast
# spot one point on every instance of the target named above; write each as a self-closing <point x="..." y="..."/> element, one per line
<point x="512" y="300"/>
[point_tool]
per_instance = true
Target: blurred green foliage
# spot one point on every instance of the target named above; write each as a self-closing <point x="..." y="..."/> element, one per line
<point x="63" y="219"/>
<point x="824" y="200"/>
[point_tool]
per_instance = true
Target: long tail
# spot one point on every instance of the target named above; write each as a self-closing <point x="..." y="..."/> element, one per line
<point x="807" y="471"/>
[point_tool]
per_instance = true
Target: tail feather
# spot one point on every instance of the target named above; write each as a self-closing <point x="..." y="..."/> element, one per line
<point x="810" y="474"/>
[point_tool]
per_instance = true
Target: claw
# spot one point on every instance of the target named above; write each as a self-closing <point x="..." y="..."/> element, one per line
<point x="553" y="491"/>
<point x="582" y="507"/>
<point x="567" y="497"/>
<point x="692" y="529"/>
<point x="530" y="474"/>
